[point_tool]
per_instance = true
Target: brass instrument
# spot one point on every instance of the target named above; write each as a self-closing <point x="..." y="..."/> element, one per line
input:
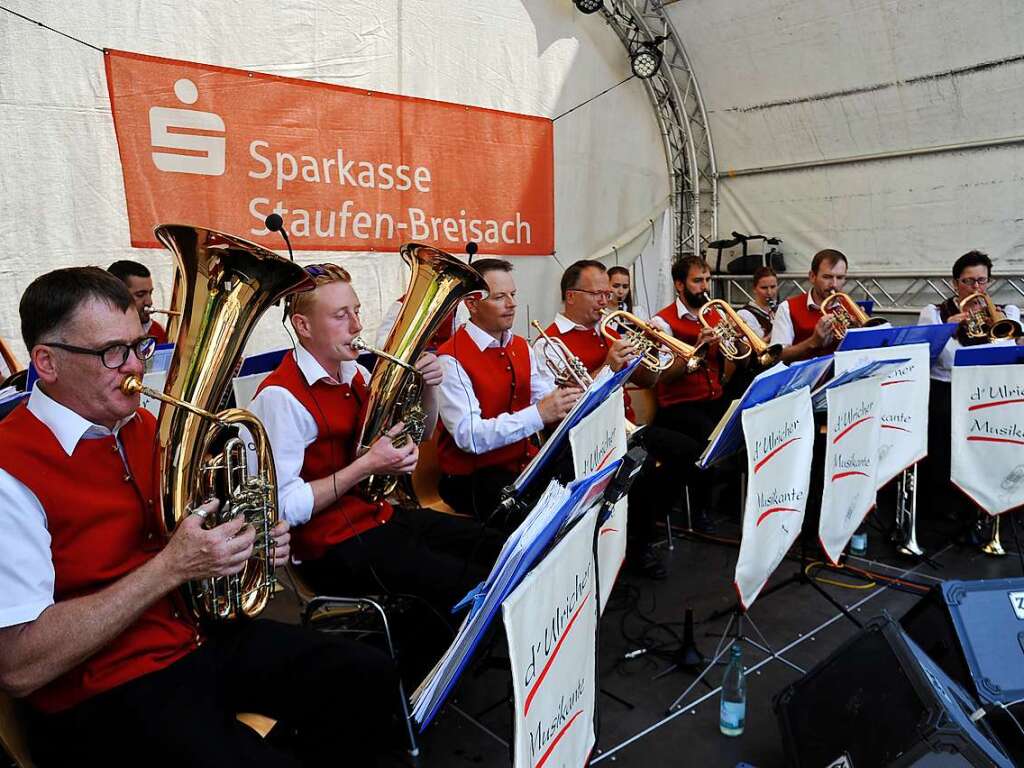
<point x="168" y="312"/>
<point x="439" y="282"/>
<point x="10" y="361"/>
<point x="905" y="534"/>
<point x="846" y="314"/>
<point x="227" y="283"/>
<point x="993" y="546"/>
<point x="736" y="339"/>
<point x="985" y="323"/>
<point x="567" y="369"/>
<point x="648" y="340"/>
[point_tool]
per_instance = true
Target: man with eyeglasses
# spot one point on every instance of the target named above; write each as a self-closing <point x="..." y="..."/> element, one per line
<point x="93" y="628"/>
<point x="972" y="273"/>
<point x="495" y="396"/>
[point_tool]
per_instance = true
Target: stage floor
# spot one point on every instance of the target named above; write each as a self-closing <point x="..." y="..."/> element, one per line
<point x="635" y="729"/>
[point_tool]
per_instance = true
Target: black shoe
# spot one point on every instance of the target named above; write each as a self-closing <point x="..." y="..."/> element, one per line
<point x="702" y="522"/>
<point x="647" y="564"/>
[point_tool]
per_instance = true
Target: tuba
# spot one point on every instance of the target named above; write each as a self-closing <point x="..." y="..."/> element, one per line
<point x="984" y="323"/>
<point x="736" y="339"/>
<point x="846" y="314"/>
<point x="226" y="284"/>
<point x="648" y="340"/>
<point x="439" y="282"/>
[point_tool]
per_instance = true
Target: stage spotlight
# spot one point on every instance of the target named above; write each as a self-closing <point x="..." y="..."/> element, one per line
<point x="646" y="58"/>
<point x="588" y="6"/>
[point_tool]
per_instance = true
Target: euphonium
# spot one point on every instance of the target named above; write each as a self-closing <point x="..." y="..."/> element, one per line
<point x="648" y="340"/>
<point x="985" y="323"/>
<point x="226" y="284"/>
<point x="439" y="282"/>
<point x="736" y="339"/>
<point x="567" y="369"/>
<point x="846" y="314"/>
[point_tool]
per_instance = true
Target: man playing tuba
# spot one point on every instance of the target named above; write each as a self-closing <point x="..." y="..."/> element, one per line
<point x="93" y="629"/>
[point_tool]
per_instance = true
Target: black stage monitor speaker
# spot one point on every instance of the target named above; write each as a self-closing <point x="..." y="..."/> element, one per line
<point x="879" y="701"/>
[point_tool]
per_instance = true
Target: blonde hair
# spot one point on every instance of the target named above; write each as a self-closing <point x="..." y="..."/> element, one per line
<point x="322" y="274"/>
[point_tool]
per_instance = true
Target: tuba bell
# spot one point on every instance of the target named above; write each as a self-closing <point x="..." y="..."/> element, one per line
<point x="984" y="323"/>
<point x="649" y="340"/>
<point x="226" y="283"/>
<point x="846" y="314"/>
<point x="736" y="339"/>
<point x="438" y="283"/>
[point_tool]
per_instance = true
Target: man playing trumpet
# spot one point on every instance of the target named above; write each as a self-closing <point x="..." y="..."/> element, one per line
<point x="800" y="326"/>
<point x="139" y="282"/>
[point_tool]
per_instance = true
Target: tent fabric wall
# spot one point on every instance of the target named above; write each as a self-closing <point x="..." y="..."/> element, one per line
<point x="61" y="186"/>
<point x="807" y="81"/>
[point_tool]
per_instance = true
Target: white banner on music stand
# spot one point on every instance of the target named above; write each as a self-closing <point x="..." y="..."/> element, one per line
<point x="988" y="435"/>
<point x="903" y="440"/>
<point x="551" y="624"/>
<point x="851" y="461"/>
<point x="597" y="440"/>
<point x="780" y="439"/>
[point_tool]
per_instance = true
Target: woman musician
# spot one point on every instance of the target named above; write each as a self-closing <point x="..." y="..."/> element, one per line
<point x="760" y="312"/>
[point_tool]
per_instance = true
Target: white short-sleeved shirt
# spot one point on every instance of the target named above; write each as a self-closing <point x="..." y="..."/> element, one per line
<point x="26" y="562"/>
<point x="942" y="367"/>
<point x="291" y="429"/>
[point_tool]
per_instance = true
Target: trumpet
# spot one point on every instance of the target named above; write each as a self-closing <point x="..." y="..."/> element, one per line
<point x="567" y="369"/>
<point x="648" y="340"/>
<point x="736" y="339"/>
<point x="168" y="312"/>
<point x="985" y="323"/>
<point x="846" y="314"/>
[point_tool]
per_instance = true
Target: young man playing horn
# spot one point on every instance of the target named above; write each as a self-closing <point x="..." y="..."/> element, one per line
<point x="311" y="406"/>
<point x="139" y="282"/>
<point x="971" y="273"/>
<point x="495" y="397"/>
<point x="800" y="326"/>
<point x="93" y="627"/>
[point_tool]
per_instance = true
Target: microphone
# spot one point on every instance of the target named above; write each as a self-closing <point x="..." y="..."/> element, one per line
<point x="471" y="249"/>
<point x="275" y="223"/>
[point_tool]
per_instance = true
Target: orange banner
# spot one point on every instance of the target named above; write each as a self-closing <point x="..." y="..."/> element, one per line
<point x="347" y="169"/>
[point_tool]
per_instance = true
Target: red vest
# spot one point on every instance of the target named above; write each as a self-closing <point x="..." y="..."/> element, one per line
<point x="804" y="319"/>
<point x="703" y="384"/>
<point x="592" y="349"/>
<point x="103" y="525"/>
<point x="336" y="409"/>
<point x="500" y="379"/>
<point x="157" y="332"/>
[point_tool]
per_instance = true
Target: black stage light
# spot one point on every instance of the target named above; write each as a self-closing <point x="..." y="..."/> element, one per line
<point x="588" y="6"/>
<point x="646" y="58"/>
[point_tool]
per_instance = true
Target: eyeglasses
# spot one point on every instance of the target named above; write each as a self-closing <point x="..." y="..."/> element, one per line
<point x="974" y="282"/>
<point x="606" y="294"/>
<point x="115" y="355"/>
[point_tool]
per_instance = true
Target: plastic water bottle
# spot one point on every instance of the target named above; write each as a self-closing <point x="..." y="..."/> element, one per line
<point x="859" y="543"/>
<point x="733" y="710"/>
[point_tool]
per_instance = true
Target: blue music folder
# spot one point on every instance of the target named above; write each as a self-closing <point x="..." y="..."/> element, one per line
<point x="935" y="336"/>
<point x="990" y="354"/>
<point x="775" y="382"/>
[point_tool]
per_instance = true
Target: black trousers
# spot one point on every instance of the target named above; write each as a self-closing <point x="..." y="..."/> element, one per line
<point x="670" y="462"/>
<point x="477" y="495"/>
<point x="433" y="556"/>
<point x="695" y="421"/>
<point x="340" y="697"/>
<point x="935" y="490"/>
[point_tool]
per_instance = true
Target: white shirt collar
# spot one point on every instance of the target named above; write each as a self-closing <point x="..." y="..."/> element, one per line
<point x="66" y="425"/>
<point x="313" y="372"/>
<point x="564" y="324"/>
<point x="683" y="311"/>
<point x="483" y="339"/>
<point x="811" y="304"/>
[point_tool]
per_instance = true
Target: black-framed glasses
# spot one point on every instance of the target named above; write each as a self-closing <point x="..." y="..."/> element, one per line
<point x="607" y="294"/>
<point x="113" y="355"/>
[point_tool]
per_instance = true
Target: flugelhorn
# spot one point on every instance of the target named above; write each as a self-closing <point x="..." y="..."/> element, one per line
<point x="226" y="284"/>
<point x="648" y="340"/>
<point x="985" y="323"/>
<point x="567" y="369"/>
<point x="736" y="339"/>
<point x="168" y="312"/>
<point x="846" y="314"/>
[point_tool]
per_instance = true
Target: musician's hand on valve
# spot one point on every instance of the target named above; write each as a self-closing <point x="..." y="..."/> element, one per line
<point x="707" y="336"/>
<point x="822" y="332"/>
<point x="554" y="407"/>
<point x="428" y="365"/>
<point x="619" y="354"/>
<point x="195" y="552"/>
<point x="384" y="457"/>
<point x="282" y="543"/>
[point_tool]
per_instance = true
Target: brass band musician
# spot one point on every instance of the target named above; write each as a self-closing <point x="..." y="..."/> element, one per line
<point x="800" y="326"/>
<point x="759" y="313"/>
<point x="139" y="281"/>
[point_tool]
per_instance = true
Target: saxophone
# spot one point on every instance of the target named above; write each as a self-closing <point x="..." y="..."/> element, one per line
<point x="225" y="284"/>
